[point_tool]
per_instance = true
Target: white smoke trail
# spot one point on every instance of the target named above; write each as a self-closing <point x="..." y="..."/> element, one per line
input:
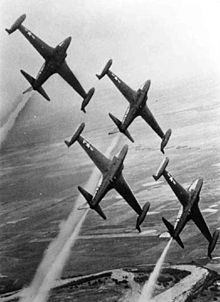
<point x="149" y="286"/>
<point x="7" y="126"/>
<point x="57" y="266"/>
<point x="58" y="252"/>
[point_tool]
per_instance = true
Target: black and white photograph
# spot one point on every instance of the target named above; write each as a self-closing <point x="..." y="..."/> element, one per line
<point x="110" y="151"/>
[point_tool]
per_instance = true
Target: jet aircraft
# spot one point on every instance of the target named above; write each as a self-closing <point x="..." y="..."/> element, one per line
<point x="54" y="63"/>
<point x="137" y="107"/>
<point x="189" y="199"/>
<point x="112" y="178"/>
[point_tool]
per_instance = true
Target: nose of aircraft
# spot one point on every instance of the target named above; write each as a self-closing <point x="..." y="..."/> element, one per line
<point x="147" y="84"/>
<point x="145" y="87"/>
<point x="67" y="42"/>
<point x="123" y="152"/>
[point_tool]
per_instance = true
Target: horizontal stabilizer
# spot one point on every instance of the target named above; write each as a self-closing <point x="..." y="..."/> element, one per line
<point x="86" y="194"/>
<point x="118" y="123"/>
<point x="43" y="93"/>
<point x="161" y="168"/>
<point x="212" y="244"/>
<point x="171" y="231"/>
<point x="75" y="135"/>
<point x="88" y="198"/>
<point x="31" y="80"/>
<point x="16" y="24"/>
<point x="105" y="70"/>
<point x="165" y="140"/>
<point x="87" y="99"/>
<point x="142" y="216"/>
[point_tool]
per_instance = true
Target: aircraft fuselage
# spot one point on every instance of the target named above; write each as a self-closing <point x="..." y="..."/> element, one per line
<point x="109" y="179"/>
<point x="136" y="107"/>
<point x="49" y="68"/>
<point x="191" y="208"/>
<point x="114" y="170"/>
<point x="54" y="57"/>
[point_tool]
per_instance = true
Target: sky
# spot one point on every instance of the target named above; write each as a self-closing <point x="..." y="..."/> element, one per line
<point x="166" y="41"/>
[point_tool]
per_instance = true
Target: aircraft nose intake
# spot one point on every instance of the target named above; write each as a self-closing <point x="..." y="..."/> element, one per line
<point x="68" y="40"/>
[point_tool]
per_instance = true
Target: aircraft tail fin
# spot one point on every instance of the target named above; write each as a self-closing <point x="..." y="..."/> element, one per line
<point x="119" y="125"/>
<point x="212" y="244"/>
<point x="171" y="231"/>
<point x="142" y="216"/>
<point x="161" y="168"/>
<point x="105" y="70"/>
<point x="87" y="99"/>
<point x="88" y="198"/>
<point x="75" y="135"/>
<point x="165" y="140"/>
<point x="16" y="24"/>
<point x="31" y="80"/>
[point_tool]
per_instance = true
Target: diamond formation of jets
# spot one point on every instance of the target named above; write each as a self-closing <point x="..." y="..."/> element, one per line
<point x="111" y="178"/>
<point x="111" y="169"/>
<point x="137" y="107"/>
<point x="189" y="200"/>
<point x="54" y="63"/>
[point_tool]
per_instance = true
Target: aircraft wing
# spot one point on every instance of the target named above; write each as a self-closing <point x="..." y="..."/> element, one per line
<point x="44" y="50"/>
<point x="66" y="73"/>
<point x="99" y="159"/>
<point x="127" y="92"/>
<point x="197" y="217"/>
<point x="151" y="121"/>
<point x="123" y="189"/>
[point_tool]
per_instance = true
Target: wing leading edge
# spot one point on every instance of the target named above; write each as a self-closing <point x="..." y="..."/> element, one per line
<point x="66" y="73"/>
<point x="198" y="219"/>
<point x="123" y="189"/>
<point x="44" y="50"/>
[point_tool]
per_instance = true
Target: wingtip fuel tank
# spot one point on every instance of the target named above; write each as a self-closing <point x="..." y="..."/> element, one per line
<point x="105" y="70"/>
<point x="16" y="24"/>
<point x="165" y="140"/>
<point x="75" y="135"/>
<point x="142" y="216"/>
<point x="212" y="244"/>
<point x="161" y="168"/>
<point x="87" y="99"/>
